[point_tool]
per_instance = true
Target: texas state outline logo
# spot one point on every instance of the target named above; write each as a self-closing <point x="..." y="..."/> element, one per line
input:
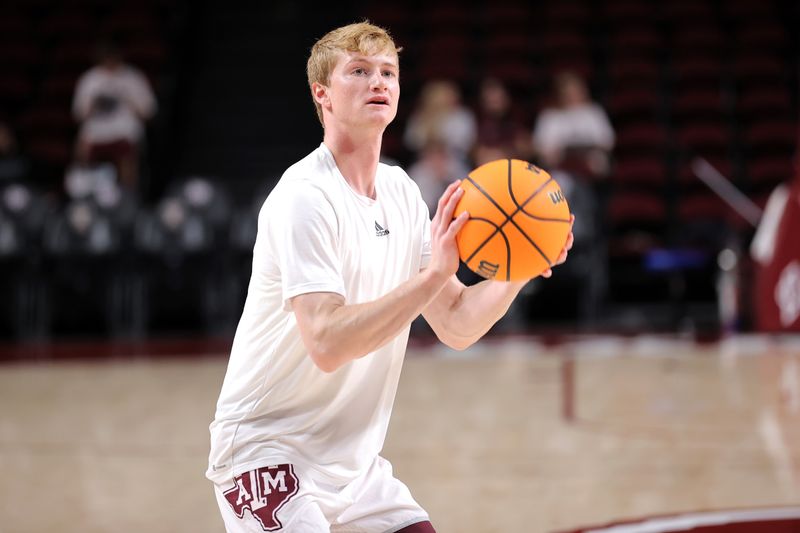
<point x="263" y="491"/>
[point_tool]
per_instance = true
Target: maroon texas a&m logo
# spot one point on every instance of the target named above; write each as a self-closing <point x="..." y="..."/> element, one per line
<point x="263" y="491"/>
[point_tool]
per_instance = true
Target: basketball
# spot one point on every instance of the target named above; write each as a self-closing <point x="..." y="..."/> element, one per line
<point x="518" y="223"/>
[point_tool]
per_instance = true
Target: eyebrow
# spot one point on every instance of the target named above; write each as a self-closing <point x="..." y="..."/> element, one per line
<point x="362" y="59"/>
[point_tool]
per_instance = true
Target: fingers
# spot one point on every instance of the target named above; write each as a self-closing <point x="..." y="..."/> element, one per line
<point x="447" y="195"/>
<point x="447" y="205"/>
<point x="568" y="245"/>
<point x="452" y="201"/>
<point x="457" y="224"/>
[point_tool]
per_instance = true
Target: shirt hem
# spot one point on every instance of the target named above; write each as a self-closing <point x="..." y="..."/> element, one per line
<point x="219" y="477"/>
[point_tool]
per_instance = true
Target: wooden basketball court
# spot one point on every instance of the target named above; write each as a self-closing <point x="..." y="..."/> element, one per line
<point x="510" y="436"/>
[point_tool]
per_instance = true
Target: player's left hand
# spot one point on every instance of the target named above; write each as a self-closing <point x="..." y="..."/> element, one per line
<point x="567" y="247"/>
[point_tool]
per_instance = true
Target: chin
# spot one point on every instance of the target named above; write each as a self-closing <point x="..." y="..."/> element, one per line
<point x="379" y="120"/>
<point x="388" y="116"/>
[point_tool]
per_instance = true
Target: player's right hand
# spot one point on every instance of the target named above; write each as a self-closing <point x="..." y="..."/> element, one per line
<point x="444" y="228"/>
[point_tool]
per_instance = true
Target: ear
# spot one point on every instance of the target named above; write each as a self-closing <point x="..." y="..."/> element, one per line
<point x="320" y="93"/>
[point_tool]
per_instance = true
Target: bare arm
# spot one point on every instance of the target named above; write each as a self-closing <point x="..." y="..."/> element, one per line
<point x="461" y="315"/>
<point x="335" y="333"/>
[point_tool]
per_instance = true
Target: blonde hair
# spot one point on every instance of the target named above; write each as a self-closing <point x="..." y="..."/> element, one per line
<point x="362" y="37"/>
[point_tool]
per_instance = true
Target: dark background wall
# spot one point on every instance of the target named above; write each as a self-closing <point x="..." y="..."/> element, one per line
<point x="680" y="79"/>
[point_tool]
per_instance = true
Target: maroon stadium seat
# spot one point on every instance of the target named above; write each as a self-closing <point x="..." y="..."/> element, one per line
<point x="639" y="171"/>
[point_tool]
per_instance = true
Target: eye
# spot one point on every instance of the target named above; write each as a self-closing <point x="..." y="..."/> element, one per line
<point x="359" y="71"/>
<point x="389" y="73"/>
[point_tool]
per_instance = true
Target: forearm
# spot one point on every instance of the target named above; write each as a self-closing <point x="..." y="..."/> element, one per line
<point x="472" y="311"/>
<point x="341" y="333"/>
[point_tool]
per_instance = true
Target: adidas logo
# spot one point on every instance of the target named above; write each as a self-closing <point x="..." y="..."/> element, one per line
<point x="380" y="231"/>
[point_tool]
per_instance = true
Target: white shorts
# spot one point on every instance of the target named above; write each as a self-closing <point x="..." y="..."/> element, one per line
<point x="283" y="498"/>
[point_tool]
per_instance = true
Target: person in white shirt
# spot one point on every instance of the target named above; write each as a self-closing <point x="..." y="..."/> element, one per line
<point x="112" y="102"/>
<point x="345" y="258"/>
<point x="573" y="140"/>
<point x="575" y="122"/>
<point x="441" y="117"/>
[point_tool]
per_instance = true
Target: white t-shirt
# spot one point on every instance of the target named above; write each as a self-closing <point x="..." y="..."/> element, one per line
<point x="457" y="128"/>
<point x="315" y="234"/>
<point x="585" y="125"/>
<point x="125" y="87"/>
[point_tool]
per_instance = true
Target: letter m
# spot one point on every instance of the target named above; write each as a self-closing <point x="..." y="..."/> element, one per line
<point x="277" y="482"/>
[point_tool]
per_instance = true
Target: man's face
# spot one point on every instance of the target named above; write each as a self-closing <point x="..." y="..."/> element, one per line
<point x="573" y="93"/>
<point x="363" y="90"/>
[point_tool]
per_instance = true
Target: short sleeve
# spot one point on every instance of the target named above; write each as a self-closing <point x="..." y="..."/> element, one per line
<point x="303" y="230"/>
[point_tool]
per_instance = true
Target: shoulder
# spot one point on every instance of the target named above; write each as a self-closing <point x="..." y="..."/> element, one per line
<point x="129" y="71"/>
<point x="305" y="183"/>
<point x="297" y="206"/>
<point x="549" y="115"/>
<point x="90" y="76"/>
<point x="593" y="108"/>
<point x="313" y="172"/>
<point x="465" y="114"/>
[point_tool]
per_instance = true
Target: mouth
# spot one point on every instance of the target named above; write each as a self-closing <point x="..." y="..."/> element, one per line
<point x="378" y="101"/>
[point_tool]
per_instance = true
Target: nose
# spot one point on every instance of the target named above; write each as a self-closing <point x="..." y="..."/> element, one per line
<point x="378" y="82"/>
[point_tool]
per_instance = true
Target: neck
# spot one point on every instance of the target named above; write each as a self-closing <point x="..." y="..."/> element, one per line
<point x="356" y="156"/>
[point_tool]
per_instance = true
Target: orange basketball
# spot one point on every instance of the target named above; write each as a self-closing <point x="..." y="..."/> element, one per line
<point x="518" y="220"/>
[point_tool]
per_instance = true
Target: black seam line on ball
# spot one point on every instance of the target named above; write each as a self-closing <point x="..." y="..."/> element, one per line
<point x="543" y="219"/>
<point x="509" y="217"/>
<point x="510" y="188"/>
<point x="520" y="207"/>
<point x="508" y="246"/>
<point x="488" y="197"/>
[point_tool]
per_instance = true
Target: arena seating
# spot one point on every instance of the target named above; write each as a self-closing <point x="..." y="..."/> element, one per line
<point x="681" y="79"/>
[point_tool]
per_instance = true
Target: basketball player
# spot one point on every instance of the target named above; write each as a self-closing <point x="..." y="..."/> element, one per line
<point x="346" y="257"/>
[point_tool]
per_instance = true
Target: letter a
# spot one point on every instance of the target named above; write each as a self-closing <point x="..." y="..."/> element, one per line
<point x="242" y="492"/>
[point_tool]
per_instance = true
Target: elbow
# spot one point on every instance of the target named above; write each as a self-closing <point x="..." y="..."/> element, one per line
<point x="458" y="343"/>
<point x="453" y="338"/>
<point x="324" y="358"/>
<point x="326" y="365"/>
<point x="461" y="346"/>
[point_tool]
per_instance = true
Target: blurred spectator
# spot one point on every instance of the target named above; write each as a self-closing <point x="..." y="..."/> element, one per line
<point x="501" y="132"/>
<point x="775" y="250"/>
<point x="572" y="140"/>
<point x="113" y="100"/>
<point x="13" y="165"/>
<point x="436" y="168"/>
<point x="576" y="132"/>
<point x="440" y="116"/>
